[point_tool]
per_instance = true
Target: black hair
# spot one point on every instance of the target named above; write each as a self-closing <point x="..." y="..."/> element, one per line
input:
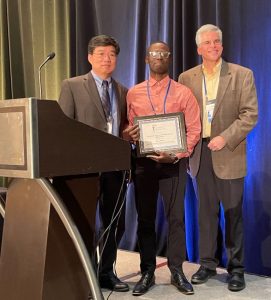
<point x="103" y="40"/>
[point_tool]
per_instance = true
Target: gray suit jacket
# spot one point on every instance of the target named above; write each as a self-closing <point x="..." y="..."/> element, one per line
<point x="80" y="100"/>
<point x="235" y="114"/>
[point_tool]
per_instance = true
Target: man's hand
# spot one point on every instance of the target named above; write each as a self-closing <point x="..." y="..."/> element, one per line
<point x="163" y="157"/>
<point x="217" y="143"/>
<point x="131" y="133"/>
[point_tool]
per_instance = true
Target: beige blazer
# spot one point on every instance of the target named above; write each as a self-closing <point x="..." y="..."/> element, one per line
<point x="80" y="100"/>
<point x="235" y="114"/>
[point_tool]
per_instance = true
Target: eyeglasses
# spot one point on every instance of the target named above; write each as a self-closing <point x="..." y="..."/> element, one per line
<point x="158" y="54"/>
<point x="208" y="43"/>
<point x="102" y="55"/>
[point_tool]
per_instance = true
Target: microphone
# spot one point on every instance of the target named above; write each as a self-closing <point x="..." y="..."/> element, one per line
<point x="50" y="56"/>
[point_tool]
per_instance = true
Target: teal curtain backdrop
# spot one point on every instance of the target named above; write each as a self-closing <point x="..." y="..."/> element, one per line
<point x="32" y="29"/>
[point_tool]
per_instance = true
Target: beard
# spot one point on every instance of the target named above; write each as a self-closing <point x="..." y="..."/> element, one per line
<point x="159" y="68"/>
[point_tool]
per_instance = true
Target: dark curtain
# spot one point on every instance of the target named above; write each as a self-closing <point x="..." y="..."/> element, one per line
<point x="29" y="31"/>
<point x="135" y="24"/>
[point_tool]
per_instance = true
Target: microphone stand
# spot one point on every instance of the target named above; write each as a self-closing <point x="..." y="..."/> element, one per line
<point x="50" y="56"/>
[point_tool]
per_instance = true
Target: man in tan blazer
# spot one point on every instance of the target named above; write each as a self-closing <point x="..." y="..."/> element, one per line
<point x="97" y="100"/>
<point x="227" y="98"/>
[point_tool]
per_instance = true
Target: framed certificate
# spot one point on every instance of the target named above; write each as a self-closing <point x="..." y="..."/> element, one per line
<point x="161" y="133"/>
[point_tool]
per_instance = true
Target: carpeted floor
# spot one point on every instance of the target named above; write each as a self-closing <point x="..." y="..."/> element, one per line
<point x="258" y="288"/>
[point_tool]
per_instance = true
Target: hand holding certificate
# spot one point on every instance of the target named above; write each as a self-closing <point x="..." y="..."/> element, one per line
<point x="161" y="133"/>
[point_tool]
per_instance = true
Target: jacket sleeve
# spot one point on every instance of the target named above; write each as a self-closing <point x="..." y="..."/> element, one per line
<point x="248" y="114"/>
<point x="66" y="99"/>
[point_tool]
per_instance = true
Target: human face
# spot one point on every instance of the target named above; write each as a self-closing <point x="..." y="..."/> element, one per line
<point x="158" y="65"/>
<point x="210" y="47"/>
<point x="103" y="60"/>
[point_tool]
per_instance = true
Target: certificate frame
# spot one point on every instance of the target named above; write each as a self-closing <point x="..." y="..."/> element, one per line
<point x="164" y="132"/>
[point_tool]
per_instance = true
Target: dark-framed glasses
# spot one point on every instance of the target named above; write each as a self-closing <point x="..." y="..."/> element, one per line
<point x="159" y="54"/>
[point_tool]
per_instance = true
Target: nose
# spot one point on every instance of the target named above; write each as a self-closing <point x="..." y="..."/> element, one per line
<point x="106" y="57"/>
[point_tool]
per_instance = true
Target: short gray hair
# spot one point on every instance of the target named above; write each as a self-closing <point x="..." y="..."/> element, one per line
<point x="207" y="28"/>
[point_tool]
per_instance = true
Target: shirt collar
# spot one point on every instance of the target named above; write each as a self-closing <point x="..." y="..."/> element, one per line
<point x="216" y="70"/>
<point x="163" y="82"/>
<point x="99" y="81"/>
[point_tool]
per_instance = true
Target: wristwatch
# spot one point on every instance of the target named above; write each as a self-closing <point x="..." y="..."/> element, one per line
<point x="176" y="159"/>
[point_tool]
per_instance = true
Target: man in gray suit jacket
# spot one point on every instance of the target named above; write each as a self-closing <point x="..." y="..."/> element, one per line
<point x="227" y="98"/>
<point x="97" y="100"/>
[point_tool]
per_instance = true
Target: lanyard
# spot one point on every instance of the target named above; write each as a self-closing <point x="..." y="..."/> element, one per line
<point x="205" y="87"/>
<point x="209" y="104"/>
<point x="165" y="98"/>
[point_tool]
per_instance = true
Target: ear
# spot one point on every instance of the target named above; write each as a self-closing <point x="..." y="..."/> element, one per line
<point x="199" y="51"/>
<point x="90" y="58"/>
<point x="147" y="59"/>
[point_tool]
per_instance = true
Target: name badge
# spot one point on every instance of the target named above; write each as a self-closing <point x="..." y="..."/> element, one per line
<point x="109" y="125"/>
<point x="210" y="106"/>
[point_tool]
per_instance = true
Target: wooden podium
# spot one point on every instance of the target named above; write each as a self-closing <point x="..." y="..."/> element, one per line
<point x="48" y="228"/>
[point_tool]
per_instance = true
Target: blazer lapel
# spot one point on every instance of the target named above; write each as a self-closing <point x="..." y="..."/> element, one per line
<point x="197" y="83"/>
<point x="92" y="90"/>
<point x="224" y="80"/>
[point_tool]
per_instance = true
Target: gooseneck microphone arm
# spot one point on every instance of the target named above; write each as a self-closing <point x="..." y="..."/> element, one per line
<point x="50" y="56"/>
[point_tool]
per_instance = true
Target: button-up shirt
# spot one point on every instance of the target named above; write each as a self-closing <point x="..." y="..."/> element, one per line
<point x="113" y="101"/>
<point x="210" y="87"/>
<point x="179" y="99"/>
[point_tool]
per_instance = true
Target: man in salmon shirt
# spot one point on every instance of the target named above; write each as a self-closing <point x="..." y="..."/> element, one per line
<point x="164" y="172"/>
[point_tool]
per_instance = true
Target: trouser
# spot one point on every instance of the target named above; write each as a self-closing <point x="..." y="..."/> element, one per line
<point x="213" y="190"/>
<point x="110" y="186"/>
<point x="150" y="178"/>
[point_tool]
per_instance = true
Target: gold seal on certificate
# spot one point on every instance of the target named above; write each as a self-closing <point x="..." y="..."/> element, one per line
<point x="164" y="132"/>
